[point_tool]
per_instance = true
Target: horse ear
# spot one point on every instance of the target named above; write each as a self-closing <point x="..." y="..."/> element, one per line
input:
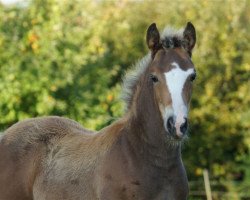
<point x="153" y="38"/>
<point x="189" y="37"/>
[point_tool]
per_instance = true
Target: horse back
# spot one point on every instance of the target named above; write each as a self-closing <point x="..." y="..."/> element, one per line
<point x="22" y="149"/>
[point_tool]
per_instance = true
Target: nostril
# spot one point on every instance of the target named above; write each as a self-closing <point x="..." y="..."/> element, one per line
<point x="184" y="126"/>
<point x="170" y="124"/>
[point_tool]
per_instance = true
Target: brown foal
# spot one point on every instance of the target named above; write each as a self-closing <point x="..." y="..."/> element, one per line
<point x="137" y="157"/>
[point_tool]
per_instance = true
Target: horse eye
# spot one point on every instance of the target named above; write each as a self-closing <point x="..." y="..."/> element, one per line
<point x="154" y="78"/>
<point x="192" y="77"/>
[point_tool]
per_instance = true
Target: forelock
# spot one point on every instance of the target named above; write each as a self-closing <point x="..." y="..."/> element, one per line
<point x="172" y="38"/>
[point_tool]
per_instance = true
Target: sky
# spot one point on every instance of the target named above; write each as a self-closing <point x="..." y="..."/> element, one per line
<point x="7" y="2"/>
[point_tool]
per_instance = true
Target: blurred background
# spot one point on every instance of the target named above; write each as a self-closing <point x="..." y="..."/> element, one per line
<point x="68" y="57"/>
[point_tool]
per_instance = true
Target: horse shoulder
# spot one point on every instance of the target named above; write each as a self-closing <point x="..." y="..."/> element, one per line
<point x="75" y="161"/>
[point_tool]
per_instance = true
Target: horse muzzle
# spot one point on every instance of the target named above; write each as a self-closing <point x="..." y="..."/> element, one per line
<point x="177" y="127"/>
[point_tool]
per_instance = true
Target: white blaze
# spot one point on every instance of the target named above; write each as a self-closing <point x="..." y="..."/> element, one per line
<point x="175" y="80"/>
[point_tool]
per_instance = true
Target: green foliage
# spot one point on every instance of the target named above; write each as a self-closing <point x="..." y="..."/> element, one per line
<point x="67" y="58"/>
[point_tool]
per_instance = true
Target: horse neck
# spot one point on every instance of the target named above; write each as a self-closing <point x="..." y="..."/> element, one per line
<point x="146" y="130"/>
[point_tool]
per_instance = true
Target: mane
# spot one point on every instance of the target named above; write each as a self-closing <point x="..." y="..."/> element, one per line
<point x="131" y="78"/>
<point x="170" y="38"/>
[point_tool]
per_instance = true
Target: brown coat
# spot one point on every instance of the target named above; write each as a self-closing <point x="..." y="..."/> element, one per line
<point x="135" y="158"/>
<point x="55" y="158"/>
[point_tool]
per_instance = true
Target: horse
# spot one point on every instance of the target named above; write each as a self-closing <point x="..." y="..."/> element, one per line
<point x="136" y="157"/>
